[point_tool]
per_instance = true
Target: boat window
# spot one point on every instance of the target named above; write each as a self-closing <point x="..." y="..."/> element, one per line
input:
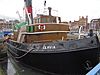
<point x="30" y="28"/>
<point x="38" y="20"/>
<point x="44" y="20"/>
<point x="35" y="20"/>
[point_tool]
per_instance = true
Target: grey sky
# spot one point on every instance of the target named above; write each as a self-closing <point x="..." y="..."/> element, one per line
<point x="67" y="9"/>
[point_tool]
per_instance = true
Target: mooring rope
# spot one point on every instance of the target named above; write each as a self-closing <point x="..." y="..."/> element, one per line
<point x="19" y="57"/>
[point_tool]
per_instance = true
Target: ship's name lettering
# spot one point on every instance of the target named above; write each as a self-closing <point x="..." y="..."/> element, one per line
<point x="49" y="47"/>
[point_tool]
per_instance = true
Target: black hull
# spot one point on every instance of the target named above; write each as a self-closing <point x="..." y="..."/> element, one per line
<point x="76" y="62"/>
<point x="63" y="63"/>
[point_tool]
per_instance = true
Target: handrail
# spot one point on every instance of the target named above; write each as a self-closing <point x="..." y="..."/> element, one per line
<point x="95" y="70"/>
<point x="45" y="32"/>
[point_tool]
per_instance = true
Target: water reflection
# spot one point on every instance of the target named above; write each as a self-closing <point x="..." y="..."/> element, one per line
<point x="15" y="68"/>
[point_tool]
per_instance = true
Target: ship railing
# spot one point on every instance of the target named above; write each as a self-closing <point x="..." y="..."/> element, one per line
<point x="95" y="70"/>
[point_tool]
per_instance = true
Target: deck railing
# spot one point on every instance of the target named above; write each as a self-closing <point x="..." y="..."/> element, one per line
<point x="95" y="70"/>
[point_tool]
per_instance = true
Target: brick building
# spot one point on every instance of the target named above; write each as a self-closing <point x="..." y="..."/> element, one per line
<point x="3" y="24"/>
<point x="83" y="21"/>
<point x="95" y="24"/>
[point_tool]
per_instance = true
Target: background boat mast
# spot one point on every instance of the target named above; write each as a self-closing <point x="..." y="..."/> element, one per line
<point x="28" y="11"/>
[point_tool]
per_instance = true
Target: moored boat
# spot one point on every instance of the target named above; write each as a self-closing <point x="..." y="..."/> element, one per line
<point x="72" y="57"/>
<point x="44" y="46"/>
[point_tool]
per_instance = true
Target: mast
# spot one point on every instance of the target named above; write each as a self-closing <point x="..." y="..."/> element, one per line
<point x="28" y="11"/>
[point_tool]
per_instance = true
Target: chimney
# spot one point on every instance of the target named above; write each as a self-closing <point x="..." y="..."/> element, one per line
<point x="49" y="8"/>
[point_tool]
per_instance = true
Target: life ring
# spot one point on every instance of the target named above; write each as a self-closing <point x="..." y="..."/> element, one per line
<point x="41" y="27"/>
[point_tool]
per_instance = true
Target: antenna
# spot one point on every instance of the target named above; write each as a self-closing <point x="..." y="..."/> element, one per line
<point x="44" y="3"/>
<point x="44" y="6"/>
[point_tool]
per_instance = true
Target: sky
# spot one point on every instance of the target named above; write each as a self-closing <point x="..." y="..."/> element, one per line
<point x="68" y="10"/>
